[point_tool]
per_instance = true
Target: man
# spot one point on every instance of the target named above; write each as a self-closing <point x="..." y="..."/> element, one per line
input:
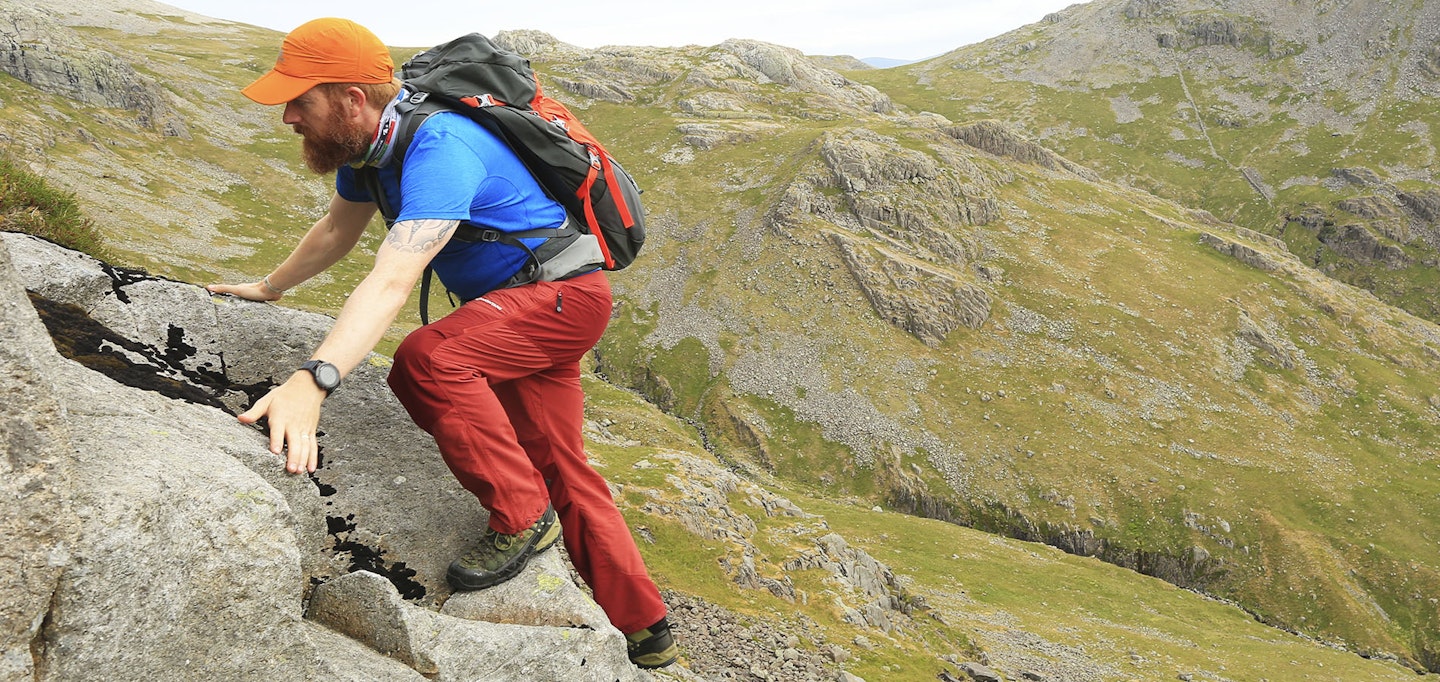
<point x="497" y="382"/>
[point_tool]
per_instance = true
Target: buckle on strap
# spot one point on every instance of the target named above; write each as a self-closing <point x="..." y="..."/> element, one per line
<point x="469" y="232"/>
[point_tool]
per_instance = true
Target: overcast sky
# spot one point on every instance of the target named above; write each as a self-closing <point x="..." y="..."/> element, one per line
<point x="896" y="29"/>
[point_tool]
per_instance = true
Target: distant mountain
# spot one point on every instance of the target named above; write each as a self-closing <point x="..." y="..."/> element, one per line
<point x="884" y="63"/>
<point x="1307" y="122"/>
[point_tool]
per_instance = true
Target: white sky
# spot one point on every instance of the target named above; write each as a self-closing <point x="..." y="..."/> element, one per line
<point x="896" y="29"/>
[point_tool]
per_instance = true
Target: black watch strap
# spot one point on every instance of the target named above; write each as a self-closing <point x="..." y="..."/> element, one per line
<point x="326" y="375"/>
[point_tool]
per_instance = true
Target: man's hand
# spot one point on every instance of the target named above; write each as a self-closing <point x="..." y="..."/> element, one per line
<point x="255" y="291"/>
<point x="293" y="410"/>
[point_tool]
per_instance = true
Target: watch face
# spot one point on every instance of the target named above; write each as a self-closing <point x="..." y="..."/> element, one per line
<point x="327" y="376"/>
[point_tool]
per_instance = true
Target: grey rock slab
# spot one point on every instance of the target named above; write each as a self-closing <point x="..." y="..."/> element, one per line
<point x="382" y="482"/>
<point x="367" y="607"/>
<point x="185" y="557"/>
<point x="543" y="594"/>
<point x="37" y="522"/>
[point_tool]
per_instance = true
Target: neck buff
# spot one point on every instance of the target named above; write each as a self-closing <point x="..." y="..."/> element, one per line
<point x="381" y="148"/>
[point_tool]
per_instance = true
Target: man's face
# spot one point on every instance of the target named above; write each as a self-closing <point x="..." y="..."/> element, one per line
<point x="331" y="135"/>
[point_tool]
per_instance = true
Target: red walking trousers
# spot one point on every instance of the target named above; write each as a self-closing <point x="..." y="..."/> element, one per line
<point x="497" y="383"/>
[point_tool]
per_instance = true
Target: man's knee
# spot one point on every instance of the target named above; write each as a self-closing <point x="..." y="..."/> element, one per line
<point x="412" y="359"/>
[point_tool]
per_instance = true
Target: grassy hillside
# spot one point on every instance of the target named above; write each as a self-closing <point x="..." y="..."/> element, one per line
<point x="852" y="306"/>
<point x="1136" y="395"/>
<point x="1024" y="607"/>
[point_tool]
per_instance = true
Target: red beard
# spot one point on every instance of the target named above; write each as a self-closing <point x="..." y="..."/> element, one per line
<point x="342" y="142"/>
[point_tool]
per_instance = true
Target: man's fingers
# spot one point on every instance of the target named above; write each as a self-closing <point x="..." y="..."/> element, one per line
<point x="292" y="460"/>
<point x="256" y="411"/>
<point x="301" y="453"/>
<point x="252" y="292"/>
<point x="293" y="420"/>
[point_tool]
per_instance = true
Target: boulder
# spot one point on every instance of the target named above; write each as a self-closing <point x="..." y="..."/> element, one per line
<point x="367" y="607"/>
<point x="543" y="594"/>
<point x="164" y="556"/>
<point x="36" y="517"/>
<point x="158" y="538"/>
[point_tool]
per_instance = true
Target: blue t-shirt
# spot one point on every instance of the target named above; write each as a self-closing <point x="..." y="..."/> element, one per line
<point x="456" y="169"/>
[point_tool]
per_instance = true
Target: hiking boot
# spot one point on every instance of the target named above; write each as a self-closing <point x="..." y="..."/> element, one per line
<point x="499" y="556"/>
<point x="549" y="539"/>
<point x="653" y="647"/>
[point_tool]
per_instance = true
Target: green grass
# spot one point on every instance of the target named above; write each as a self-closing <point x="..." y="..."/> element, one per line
<point x="30" y="205"/>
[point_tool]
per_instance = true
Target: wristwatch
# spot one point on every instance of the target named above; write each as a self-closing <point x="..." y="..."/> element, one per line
<point x="327" y="376"/>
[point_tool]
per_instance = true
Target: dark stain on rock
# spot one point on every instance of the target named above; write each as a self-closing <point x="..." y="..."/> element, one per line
<point x="80" y="338"/>
<point x="366" y="558"/>
<point x="176" y="350"/>
<point x="326" y="490"/>
<point x="124" y="277"/>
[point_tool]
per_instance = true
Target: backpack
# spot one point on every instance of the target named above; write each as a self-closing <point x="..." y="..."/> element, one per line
<point x="499" y="89"/>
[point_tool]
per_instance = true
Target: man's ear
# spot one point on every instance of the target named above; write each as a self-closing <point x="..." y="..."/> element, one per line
<point x="355" y="98"/>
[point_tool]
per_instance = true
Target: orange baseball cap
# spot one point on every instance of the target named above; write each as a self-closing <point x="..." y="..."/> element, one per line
<point x="323" y="51"/>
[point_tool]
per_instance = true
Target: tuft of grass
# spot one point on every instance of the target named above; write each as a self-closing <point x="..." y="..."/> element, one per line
<point x="29" y="205"/>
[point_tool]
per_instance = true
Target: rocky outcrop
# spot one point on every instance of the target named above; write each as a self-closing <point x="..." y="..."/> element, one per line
<point x="866" y="591"/>
<point x="1207" y="30"/>
<point x="592" y="89"/>
<point x="1147" y="9"/>
<point x="996" y="138"/>
<point x="531" y="42"/>
<point x="1424" y="205"/>
<point x="900" y="224"/>
<point x="712" y="105"/>
<point x="928" y="303"/>
<point x="767" y="63"/>
<point x="1370" y="207"/>
<point x="1242" y="252"/>
<point x="1278" y="351"/>
<point x="1422" y="209"/>
<point x="605" y="74"/>
<point x="879" y="589"/>
<point x="1359" y="177"/>
<point x="911" y="196"/>
<point x="187" y="553"/>
<point x="706" y="136"/>
<point x="1359" y="243"/>
<point x="36" y="49"/>
<point x="862" y="160"/>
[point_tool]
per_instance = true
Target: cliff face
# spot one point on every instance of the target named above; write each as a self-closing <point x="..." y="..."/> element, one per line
<point x="37" y="49"/>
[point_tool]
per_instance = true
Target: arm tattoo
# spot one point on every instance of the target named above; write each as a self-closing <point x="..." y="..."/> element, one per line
<point x="419" y="236"/>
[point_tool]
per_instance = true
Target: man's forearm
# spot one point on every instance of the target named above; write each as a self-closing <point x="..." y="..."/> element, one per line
<point x="327" y="241"/>
<point x="367" y="314"/>
<point x="373" y="305"/>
